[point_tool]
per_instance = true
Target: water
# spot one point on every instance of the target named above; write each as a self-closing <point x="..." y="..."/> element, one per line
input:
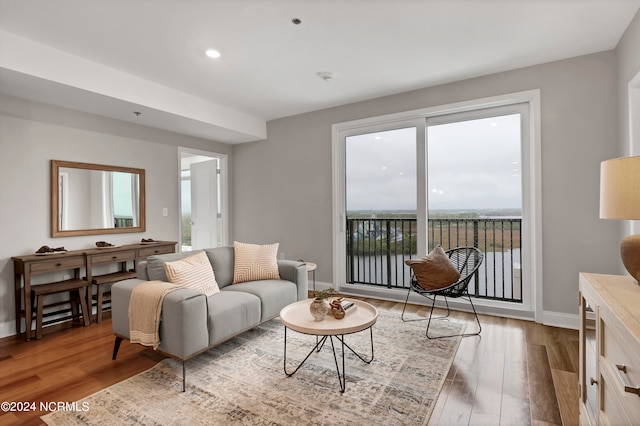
<point x="499" y="276"/>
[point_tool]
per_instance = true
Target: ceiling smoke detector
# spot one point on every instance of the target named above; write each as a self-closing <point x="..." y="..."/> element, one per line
<point x="326" y="75"/>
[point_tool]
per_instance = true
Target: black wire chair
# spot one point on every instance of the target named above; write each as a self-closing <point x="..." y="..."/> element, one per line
<point x="467" y="260"/>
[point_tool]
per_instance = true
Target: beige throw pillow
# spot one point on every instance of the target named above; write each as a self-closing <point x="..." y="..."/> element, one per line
<point x="435" y="270"/>
<point x="193" y="272"/>
<point x="255" y="262"/>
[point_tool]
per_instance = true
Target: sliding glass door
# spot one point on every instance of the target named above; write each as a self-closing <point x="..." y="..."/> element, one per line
<point x="474" y="195"/>
<point x="403" y="186"/>
<point x="381" y="205"/>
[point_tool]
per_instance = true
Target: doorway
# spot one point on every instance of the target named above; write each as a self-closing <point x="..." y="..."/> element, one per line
<point x="203" y="199"/>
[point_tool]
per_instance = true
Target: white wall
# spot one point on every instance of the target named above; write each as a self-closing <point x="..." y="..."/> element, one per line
<point x="289" y="174"/>
<point x="32" y="134"/>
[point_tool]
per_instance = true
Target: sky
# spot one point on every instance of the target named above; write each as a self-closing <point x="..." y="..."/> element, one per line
<point x="471" y="165"/>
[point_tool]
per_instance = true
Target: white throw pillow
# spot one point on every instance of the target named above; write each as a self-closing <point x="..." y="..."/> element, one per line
<point x="255" y="262"/>
<point x="193" y="272"/>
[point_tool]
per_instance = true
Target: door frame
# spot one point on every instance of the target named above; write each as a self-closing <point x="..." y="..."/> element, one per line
<point x="223" y="195"/>
<point x="532" y="195"/>
<point x="632" y="147"/>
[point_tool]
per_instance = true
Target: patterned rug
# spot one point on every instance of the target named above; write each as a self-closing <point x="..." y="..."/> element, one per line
<point x="242" y="382"/>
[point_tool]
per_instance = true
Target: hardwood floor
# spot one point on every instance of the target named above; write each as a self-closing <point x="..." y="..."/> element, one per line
<point x="516" y="373"/>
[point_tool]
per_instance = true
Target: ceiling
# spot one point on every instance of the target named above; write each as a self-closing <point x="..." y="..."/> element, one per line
<point x="117" y="57"/>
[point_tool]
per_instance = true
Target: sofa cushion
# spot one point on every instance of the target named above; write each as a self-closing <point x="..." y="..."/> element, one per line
<point x="221" y="259"/>
<point x="155" y="264"/>
<point x="231" y="312"/>
<point x="193" y="272"/>
<point x="255" y="262"/>
<point x="273" y="294"/>
<point x="435" y="270"/>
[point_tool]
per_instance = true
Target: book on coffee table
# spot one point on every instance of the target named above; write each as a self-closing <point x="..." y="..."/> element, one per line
<point x="348" y="306"/>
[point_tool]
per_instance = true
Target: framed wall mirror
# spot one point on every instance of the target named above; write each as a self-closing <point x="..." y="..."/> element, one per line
<point x="92" y="199"/>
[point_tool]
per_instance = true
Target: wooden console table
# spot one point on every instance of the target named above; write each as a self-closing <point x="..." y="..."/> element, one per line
<point x="25" y="267"/>
<point x="609" y="375"/>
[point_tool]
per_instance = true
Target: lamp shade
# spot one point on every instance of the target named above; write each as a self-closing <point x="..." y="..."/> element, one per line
<point x="620" y="188"/>
<point x="620" y="199"/>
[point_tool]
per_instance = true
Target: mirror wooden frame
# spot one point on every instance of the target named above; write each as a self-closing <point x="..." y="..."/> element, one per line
<point x="55" y="196"/>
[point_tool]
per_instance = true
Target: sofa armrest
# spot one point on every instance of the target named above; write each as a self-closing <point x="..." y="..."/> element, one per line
<point x="120" y="297"/>
<point x="297" y="273"/>
<point x="141" y="270"/>
<point x="183" y="323"/>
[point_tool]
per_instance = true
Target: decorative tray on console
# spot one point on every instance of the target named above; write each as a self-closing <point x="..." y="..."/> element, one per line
<point x="49" y="253"/>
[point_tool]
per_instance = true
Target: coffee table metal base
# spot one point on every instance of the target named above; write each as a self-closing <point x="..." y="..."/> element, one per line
<point x="342" y="378"/>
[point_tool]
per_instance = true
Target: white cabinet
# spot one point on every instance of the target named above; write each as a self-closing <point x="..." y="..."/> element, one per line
<point x="609" y="350"/>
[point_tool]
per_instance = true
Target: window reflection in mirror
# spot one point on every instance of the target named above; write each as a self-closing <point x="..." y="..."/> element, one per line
<point x="95" y="199"/>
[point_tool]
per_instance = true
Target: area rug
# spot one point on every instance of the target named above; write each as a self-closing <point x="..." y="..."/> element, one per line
<point x="242" y="382"/>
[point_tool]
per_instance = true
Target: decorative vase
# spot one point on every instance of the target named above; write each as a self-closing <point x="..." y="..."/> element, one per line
<point x="319" y="309"/>
<point x="630" y="252"/>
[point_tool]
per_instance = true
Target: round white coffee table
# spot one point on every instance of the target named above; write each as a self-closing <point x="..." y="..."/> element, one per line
<point x="297" y="317"/>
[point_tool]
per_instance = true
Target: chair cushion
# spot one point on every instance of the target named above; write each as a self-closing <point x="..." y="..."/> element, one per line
<point x="193" y="272"/>
<point x="435" y="270"/>
<point x="255" y="262"/>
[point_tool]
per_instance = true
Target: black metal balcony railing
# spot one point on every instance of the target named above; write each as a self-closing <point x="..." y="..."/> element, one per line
<point x="377" y="249"/>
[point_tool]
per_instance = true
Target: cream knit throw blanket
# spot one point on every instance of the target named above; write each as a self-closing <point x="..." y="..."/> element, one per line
<point x="145" y="308"/>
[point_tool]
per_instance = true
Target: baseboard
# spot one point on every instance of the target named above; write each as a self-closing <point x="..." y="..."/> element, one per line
<point x="553" y="319"/>
<point x="7" y="329"/>
<point x="560" y="319"/>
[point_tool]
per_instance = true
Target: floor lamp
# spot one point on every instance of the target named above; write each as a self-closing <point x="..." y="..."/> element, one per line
<point x="620" y="199"/>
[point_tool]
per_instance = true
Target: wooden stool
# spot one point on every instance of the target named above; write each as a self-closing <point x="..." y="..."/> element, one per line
<point x="102" y="296"/>
<point x="72" y="286"/>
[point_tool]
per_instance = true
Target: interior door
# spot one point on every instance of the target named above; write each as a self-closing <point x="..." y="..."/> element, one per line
<point x="204" y="204"/>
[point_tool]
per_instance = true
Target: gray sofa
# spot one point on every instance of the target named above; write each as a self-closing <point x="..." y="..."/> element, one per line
<point x="191" y="323"/>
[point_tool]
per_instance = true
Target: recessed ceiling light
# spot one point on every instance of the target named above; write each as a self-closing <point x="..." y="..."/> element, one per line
<point x="212" y="53"/>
